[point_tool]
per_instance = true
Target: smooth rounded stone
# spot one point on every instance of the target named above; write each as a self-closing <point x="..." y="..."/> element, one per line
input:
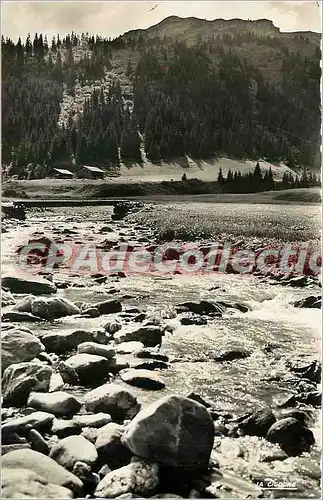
<point x="92" y="312"/>
<point x="74" y="449"/>
<point x="24" y="305"/>
<point x="113" y="327"/>
<point x="59" y="403"/>
<point x="18" y="346"/>
<point x="144" y="379"/>
<point x="24" y="483"/>
<point x="17" y="317"/>
<point x="292" y="437"/>
<point x="173" y="431"/>
<point x="65" y="428"/>
<point x="31" y="284"/>
<point x="42" y="465"/>
<point x="109" y="447"/>
<point x="96" y="349"/>
<point x="148" y="364"/>
<point x="22" y="378"/>
<point x="202" y="307"/>
<point x="109" y="307"/>
<point x="150" y="336"/>
<point x="96" y="420"/>
<point x="37" y="442"/>
<point x="232" y="354"/>
<point x="112" y="399"/>
<point x="90" y="369"/>
<point x="90" y="433"/>
<point x="37" y="420"/>
<point x="258" y="423"/>
<point x="138" y="477"/>
<point x="56" y="382"/>
<point x="62" y="342"/>
<point x="53" y="308"/>
<point x="129" y="347"/>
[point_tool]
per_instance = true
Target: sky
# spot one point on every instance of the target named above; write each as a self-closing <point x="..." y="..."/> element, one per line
<point x="111" y="18"/>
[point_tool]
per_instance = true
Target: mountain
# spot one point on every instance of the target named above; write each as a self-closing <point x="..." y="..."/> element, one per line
<point x="184" y="87"/>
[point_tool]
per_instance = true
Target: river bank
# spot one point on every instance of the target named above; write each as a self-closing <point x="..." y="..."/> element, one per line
<point x="238" y="343"/>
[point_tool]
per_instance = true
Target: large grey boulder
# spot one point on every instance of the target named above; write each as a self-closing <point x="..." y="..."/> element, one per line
<point x="173" y="431"/>
<point x="58" y="403"/>
<point x="62" y="342"/>
<point x="36" y="420"/>
<point x="112" y="399"/>
<point x="24" y="483"/>
<point x="150" y="336"/>
<point x="22" y="378"/>
<point x="18" y="346"/>
<point x="96" y="349"/>
<point x="43" y="466"/>
<point x="109" y="447"/>
<point x="293" y="437"/>
<point x="144" y="379"/>
<point x="53" y="308"/>
<point x="89" y="368"/>
<point x="74" y="449"/>
<point x="35" y="285"/>
<point x="138" y="477"/>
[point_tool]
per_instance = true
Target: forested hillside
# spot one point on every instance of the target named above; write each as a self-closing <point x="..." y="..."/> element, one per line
<point x="183" y="87"/>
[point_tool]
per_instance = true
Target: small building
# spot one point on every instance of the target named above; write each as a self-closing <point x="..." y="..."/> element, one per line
<point x="91" y="172"/>
<point x="61" y="173"/>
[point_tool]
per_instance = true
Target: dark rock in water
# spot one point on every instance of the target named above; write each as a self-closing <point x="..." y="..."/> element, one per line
<point x="53" y="308"/>
<point x="311" y="370"/>
<point x="202" y="307"/>
<point x="90" y="369"/>
<point x="18" y="346"/>
<point x="92" y="312"/>
<point x="292" y="437"/>
<point x="74" y="449"/>
<point x="232" y="354"/>
<point x="198" y="399"/>
<point x="313" y="398"/>
<point x="43" y="466"/>
<point x="172" y="431"/>
<point x="24" y="305"/>
<point x="258" y="423"/>
<point x="58" y="403"/>
<point x="149" y="364"/>
<point x="193" y="320"/>
<point x="112" y="399"/>
<point x="150" y="336"/>
<point x="140" y="317"/>
<point x="20" y="482"/>
<point x="311" y="302"/>
<point x="109" y="447"/>
<point x="16" y="317"/>
<point x="142" y="378"/>
<point x="62" y="342"/>
<point x="149" y="353"/>
<point x="139" y="477"/>
<point x="33" y="284"/>
<point x="304" y="417"/>
<point x="22" y="378"/>
<point x="109" y="307"/>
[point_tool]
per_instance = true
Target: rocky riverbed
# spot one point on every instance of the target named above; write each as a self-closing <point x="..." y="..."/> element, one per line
<point x="126" y="386"/>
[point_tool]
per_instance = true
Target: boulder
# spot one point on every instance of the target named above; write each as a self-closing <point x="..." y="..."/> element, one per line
<point x="149" y="353"/>
<point x="109" y="307"/>
<point x="24" y="305"/>
<point x="43" y="466"/>
<point x="173" y="431"/>
<point x="53" y="308"/>
<point x="18" y="346"/>
<point x="113" y="399"/>
<point x="17" y="317"/>
<point x="258" y="423"/>
<point x="138" y="477"/>
<point x="62" y="342"/>
<point x="129" y="347"/>
<point x="113" y="327"/>
<point x="97" y="420"/>
<point x="36" y="420"/>
<point x="56" y="382"/>
<point x="22" y="378"/>
<point x="74" y="449"/>
<point x="202" y="307"/>
<point x="23" y="483"/>
<point x="6" y="298"/>
<point x="292" y="437"/>
<point x="64" y="428"/>
<point x="58" y="403"/>
<point x="310" y="370"/>
<point x="150" y="336"/>
<point x="232" y="354"/>
<point x="109" y="447"/>
<point x="144" y="379"/>
<point x="311" y="302"/>
<point x="37" y="441"/>
<point x="28" y="284"/>
<point x="96" y="349"/>
<point x="89" y="368"/>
